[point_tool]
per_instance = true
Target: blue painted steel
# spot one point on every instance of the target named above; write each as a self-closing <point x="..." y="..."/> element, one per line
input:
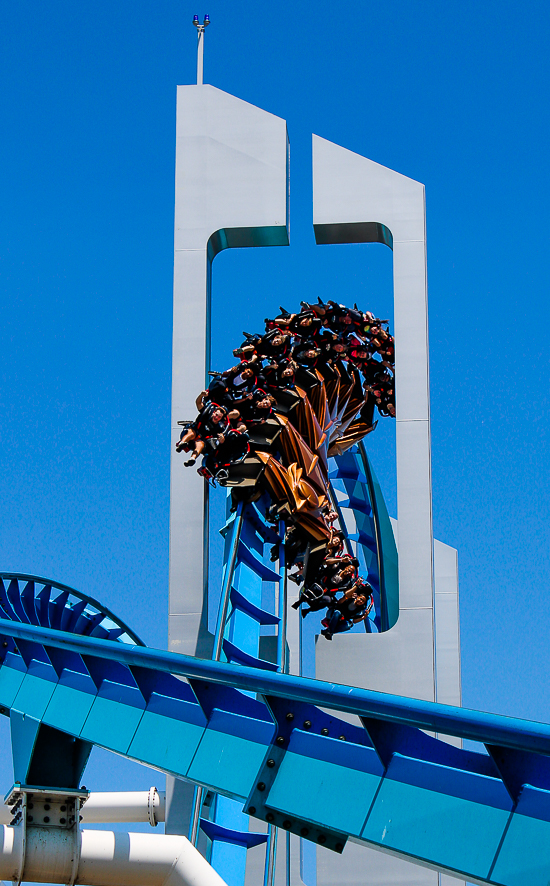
<point x="231" y="548"/>
<point x="481" y="726"/>
<point x="388" y="567"/>
<point x="24" y="732"/>
<point x="434" y="812"/>
<point x="239" y="601"/>
<point x="247" y="571"/>
<point x="315" y="768"/>
<point x="301" y="768"/>
<point x="216" y="831"/>
<point x="229" y="840"/>
<point x="235" y="655"/>
<point x="353" y="477"/>
<point x="29" y="599"/>
<point x="524" y="856"/>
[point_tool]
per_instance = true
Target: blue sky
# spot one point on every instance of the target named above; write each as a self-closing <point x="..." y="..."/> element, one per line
<point x="453" y="95"/>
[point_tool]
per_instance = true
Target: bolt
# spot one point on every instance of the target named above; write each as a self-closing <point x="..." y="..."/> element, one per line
<point x="29" y="818"/>
<point x="286" y="824"/>
<point x="5" y="645"/>
<point x="251" y="810"/>
<point x="46" y="806"/>
<point x="270" y="817"/>
<point x="342" y="737"/>
<point x="321" y="839"/>
<point x="63" y="808"/>
<point x="304" y="832"/>
<point x="339" y="847"/>
<point x="290" y="716"/>
<point x="307" y="724"/>
<point x="62" y="820"/>
<point x="280" y="740"/>
<point x="324" y="731"/>
<point x="261" y="786"/>
<point x="46" y="818"/>
<point x="271" y="763"/>
<point x="30" y="805"/>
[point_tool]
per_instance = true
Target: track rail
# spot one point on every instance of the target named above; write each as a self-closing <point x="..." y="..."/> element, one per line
<point x="486" y="817"/>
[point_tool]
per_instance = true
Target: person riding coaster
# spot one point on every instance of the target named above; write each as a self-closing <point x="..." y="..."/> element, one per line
<point x="311" y="370"/>
<point x="206" y="430"/>
<point x="321" y="593"/>
<point x="231" y="449"/>
<point x="350" y="610"/>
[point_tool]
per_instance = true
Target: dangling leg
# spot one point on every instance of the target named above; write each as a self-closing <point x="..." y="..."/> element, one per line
<point x="185" y="438"/>
<point x="199" y="447"/>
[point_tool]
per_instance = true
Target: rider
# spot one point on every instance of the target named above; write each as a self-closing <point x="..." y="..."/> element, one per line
<point x="350" y="610"/>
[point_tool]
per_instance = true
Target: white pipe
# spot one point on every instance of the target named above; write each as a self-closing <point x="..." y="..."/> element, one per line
<point x="106" y="858"/>
<point x="121" y="806"/>
<point x="130" y="806"/>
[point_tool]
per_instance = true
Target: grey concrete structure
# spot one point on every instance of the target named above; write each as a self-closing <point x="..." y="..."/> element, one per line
<point x="232" y="190"/>
<point x="358" y="201"/>
<point x="355" y="201"/>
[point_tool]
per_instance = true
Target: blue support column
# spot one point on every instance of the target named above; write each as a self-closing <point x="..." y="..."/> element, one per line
<point x="248" y="574"/>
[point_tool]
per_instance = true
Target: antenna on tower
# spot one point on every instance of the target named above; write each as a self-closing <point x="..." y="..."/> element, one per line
<point x="200" y="45"/>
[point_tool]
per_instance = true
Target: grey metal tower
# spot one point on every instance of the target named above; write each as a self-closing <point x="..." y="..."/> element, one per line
<point x="232" y="191"/>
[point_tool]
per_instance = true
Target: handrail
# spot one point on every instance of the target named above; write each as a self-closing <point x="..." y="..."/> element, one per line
<point x="481" y="726"/>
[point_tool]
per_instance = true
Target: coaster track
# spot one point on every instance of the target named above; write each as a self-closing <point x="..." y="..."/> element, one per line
<point x="385" y="783"/>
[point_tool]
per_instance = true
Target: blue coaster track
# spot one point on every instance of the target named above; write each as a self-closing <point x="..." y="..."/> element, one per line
<point x="259" y="738"/>
<point x="254" y="740"/>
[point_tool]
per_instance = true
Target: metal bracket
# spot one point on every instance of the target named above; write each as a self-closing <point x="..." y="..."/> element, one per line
<point x="151" y="806"/>
<point x="257" y="804"/>
<point x="38" y="807"/>
<point x="17" y="802"/>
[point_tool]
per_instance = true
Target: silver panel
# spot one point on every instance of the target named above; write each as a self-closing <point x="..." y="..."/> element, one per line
<point x="447" y="625"/>
<point x="231" y="175"/>
<point x="372" y="662"/>
<point x="353" y="198"/>
<point x="359" y="866"/>
<point x="348" y="190"/>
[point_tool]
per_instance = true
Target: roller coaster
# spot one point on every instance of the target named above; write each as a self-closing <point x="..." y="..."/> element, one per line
<point x="259" y="743"/>
<point x="72" y="676"/>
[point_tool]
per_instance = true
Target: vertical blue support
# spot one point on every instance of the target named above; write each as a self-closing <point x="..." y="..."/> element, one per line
<point x="231" y="550"/>
<point x="352" y="475"/>
<point x="24" y="732"/>
<point x="248" y="574"/>
<point x="270" y="855"/>
<point x="282" y="605"/>
<point x="229" y="858"/>
<point x="387" y="550"/>
<point x="230" y="557"/>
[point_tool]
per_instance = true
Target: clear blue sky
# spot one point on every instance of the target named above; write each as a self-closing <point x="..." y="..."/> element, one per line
<point x="453" y="95"/>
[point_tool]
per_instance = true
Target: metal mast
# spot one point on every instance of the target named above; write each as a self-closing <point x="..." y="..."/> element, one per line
<point x="200" y="44"/>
